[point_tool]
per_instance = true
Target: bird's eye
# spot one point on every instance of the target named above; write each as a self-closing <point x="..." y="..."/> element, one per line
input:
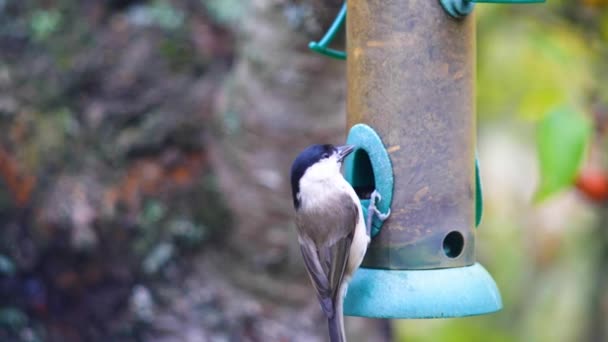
<point x="325" y="155"/>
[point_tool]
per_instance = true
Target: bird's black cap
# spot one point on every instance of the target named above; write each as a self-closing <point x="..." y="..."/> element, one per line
<point x="309" y="157"/>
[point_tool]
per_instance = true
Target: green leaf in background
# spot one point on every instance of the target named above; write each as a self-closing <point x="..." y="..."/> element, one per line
<point x="562" y="138"/>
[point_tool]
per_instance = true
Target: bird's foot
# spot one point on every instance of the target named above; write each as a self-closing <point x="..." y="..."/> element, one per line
<point x="373" y="210"/>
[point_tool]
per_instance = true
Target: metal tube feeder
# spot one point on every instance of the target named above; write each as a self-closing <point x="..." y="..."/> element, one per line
<point x="411" y="78"/>
<point x="411" y="115"/>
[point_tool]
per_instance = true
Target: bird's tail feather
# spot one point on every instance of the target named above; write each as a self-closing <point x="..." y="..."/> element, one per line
<point x="336" y="322"/>
<point x="336" y="330"/>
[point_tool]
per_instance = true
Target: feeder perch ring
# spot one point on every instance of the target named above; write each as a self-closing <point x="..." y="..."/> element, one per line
<point x="369" y="168"/>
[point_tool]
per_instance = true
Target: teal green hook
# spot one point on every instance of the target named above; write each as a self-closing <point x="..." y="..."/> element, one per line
<point x="461" y="8"/>
<point x="456" y="8"/>
<point x="321" y="46"/>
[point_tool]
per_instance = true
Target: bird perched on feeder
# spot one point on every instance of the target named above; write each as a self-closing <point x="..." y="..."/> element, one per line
<point x="332" y="233"/>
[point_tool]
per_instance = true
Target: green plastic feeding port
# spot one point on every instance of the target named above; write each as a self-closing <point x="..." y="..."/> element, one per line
<point x="461" y="8"/>
<point x="411" y="113"/>
<point x="369" y="168"/>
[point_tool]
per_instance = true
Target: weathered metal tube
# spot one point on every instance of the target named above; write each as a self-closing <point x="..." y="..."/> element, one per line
<point x="411" y="74"/>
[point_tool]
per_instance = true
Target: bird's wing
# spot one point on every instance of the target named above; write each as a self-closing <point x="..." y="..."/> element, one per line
<point x="318" y="277"/>
<point x="326" y="261"/>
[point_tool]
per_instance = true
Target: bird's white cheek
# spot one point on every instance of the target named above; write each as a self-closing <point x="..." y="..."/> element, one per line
<point x="319" y="182"/>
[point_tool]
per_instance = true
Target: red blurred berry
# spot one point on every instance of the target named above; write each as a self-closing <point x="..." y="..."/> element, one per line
<point x="594" y="184"/>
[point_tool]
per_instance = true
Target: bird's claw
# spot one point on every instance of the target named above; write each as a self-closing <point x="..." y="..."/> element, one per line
<point x="382" y="216"/>
<point x="375" y="196"/>
<point x="373" y="210"/>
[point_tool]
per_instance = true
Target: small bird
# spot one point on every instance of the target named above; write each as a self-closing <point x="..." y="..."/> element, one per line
<point x="332" y="233"/>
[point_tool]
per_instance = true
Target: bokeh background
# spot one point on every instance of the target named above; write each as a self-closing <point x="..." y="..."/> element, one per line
<point x="144" y="155"/>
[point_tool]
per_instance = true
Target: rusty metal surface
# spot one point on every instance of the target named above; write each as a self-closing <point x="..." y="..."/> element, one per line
<point x="411" y="77"/>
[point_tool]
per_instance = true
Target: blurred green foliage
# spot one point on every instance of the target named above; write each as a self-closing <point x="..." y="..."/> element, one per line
<point x="225" y="11"/>
<point x="7" y="267"/>
<point x="157" y="13"/>
<point x="534" y="59"/>
<point x="12" y="318"/>
<point x="43" y="23"/>
<point x="530" y="61"/>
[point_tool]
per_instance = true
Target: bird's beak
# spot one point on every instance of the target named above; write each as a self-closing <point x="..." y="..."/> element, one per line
<point x="344" y="151"/>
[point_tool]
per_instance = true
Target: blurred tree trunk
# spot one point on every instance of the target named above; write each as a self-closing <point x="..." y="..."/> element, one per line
<point x="280" y="98"/>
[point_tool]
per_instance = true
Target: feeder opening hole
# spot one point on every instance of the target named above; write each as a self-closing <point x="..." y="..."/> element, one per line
<point x="364" y="181"/>
<point x="453" y="243"/>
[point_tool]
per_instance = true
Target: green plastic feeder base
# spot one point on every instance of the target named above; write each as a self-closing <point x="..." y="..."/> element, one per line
<point x="438" y="293"/>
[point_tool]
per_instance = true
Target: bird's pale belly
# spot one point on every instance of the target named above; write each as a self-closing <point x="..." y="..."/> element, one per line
<point x="359" y="246"/>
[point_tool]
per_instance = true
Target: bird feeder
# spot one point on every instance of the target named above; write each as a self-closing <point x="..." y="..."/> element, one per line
<point x="411" y="115"/>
